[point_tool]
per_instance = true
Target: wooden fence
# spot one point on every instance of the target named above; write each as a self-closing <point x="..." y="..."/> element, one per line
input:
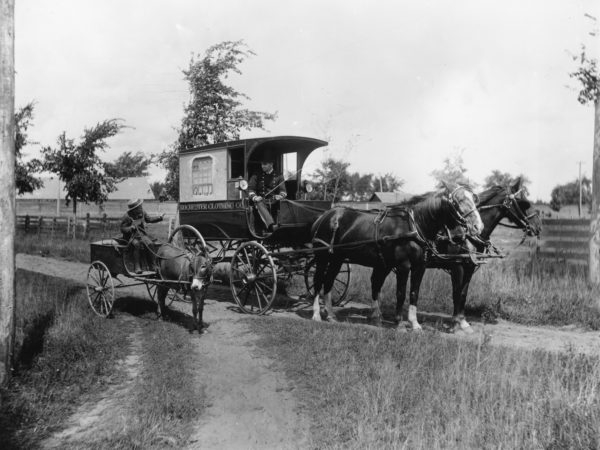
<point x="83" y="228"/>
<point x="565" y="240"/>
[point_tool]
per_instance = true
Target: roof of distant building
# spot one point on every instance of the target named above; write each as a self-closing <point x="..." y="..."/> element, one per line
<point x="133" y="187"/>
<point x="390" y="197"/>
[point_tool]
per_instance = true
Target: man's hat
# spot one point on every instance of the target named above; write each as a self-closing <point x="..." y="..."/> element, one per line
<point x="134" y="203"/>
<point x="268" y="156"/>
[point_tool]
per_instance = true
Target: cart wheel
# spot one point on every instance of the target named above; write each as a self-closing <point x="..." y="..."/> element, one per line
<point x="187" y="237"/>
<point x="253" y="278"/>
<point x="340" y="285"/>
<point x="100" y="289"/>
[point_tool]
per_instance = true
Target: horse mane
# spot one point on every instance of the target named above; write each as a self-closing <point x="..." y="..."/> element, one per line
<point x="415" y="199"/>
<point x="490" y="193"/>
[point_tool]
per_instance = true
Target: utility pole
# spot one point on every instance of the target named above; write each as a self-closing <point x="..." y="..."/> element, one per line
<point x="7" y="186"/>
<point x="580" y="194"/>
<point x="594" y="262"/>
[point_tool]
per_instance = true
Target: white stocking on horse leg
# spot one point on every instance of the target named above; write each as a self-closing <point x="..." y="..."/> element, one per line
<point x="316" y="309"/>
<point x="460" y="323"/>
<point x="412" y="318"/>
<point x="376" y="313"/>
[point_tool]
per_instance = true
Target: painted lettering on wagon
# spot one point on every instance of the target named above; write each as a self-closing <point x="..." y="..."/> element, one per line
<point x="205" y="206"/>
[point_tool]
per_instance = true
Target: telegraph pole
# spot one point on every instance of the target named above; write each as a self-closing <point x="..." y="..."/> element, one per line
<point x="580" y="194"/>
<point x="7" y="186"/>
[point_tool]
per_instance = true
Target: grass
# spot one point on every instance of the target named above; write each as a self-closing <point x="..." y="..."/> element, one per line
<point x="375" y="388"/>
<point x="535" y="293"/>
<point x="66" y="356"/>
<point x="54" y="247"/>
<point x="62" y="355"/>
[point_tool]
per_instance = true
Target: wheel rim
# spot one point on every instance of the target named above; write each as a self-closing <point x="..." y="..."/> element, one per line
<point x="339" y="291"/>
<point x="253" y="278"/>
<point x="100" y="289"/>
<point x="190" y="239"/>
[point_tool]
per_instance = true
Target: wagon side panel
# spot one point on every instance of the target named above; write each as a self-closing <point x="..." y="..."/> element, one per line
<point x="109" y="252"/>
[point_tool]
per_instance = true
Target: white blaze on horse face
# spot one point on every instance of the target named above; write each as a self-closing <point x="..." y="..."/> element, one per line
<point x="470" y="212"/>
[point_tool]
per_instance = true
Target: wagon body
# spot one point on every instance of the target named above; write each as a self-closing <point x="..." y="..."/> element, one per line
<point x="211" y="199"/>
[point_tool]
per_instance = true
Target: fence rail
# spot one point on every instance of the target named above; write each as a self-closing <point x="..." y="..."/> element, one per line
<point x="82" y="228"/>
<point x="565" y="240"/>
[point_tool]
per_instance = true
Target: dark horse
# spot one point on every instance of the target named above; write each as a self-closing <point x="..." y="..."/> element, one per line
<point x="182" y="266"/>
<point x="495" y="204"/>
<point x="394" y="238"/>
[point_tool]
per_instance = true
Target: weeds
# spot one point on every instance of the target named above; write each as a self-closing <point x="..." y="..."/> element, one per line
<point x="373" y="388"/>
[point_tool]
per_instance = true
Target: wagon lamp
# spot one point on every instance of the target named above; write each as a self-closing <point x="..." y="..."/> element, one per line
<point x="243" y="185"/>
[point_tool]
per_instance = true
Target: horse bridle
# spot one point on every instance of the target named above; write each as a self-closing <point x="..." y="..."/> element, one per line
<point x="455" y="206"/>
<point x="511" y="205"/>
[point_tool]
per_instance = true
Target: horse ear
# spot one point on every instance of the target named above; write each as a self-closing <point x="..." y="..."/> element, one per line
<point x="517" y="185"/>
<point x="445" y="185"/>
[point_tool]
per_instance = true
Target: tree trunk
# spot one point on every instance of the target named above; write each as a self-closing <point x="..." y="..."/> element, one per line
<point x="594" y="262"/>
<point x="7" y="186"/>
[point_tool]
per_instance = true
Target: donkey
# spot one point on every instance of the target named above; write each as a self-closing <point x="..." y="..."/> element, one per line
<point x="394" y="238"/>
<point x="195" y="271"/>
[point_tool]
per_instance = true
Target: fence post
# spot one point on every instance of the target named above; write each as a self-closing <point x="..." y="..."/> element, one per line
<point x="27" y="223"/>
<point x="86" y="228"/>
<point x="40" y="223"/>
<point x="53" y="227"/>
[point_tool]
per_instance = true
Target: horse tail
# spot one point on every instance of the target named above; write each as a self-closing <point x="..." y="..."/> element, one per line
<point x="325" y="228"/>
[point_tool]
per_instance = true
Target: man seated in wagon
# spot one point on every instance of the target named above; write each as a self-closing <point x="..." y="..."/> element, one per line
<point x="265" y="190"/>
<point x="133" y="227"/>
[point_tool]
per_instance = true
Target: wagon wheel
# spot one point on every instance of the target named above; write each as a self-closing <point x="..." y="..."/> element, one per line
<point x="188" y="238"/>
<point x="339" y="291"/>
<point x="253" y="278"/>
<point x="100" y="289"/>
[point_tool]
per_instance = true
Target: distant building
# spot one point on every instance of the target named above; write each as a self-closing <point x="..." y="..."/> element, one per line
<point x="134" y="187"/>
<point x="50" y="199"/>
<point x="390" y="197"/>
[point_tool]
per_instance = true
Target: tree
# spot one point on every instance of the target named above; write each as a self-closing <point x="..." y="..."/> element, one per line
<point x="24" y="178"/>
<point x="589" y="78"/>
<point x="214" y="112"/>
<point x="387" y="183"/>
<point x="79" y="166"/>
<point x="453" y="171"/>
<point x="331" y="180"/>
<point x="128" y="165"/>
<point x="497" y="178"/>
<point x="159" y="190"/>
<point x="360" y="187"/>
<point x="568" y="194"/>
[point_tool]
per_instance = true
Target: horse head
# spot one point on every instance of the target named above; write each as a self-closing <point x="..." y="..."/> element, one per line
<point x="519" y="210"/>
<point x="200" y="271"/>
<point x="462" y="202"/>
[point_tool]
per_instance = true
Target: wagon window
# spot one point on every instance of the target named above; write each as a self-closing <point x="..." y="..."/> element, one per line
<point x="290" y="166"/>
<point x="202" y="183"/>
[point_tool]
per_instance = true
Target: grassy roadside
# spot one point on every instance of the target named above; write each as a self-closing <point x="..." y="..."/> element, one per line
<point x="374" y="388"/>
<point x="63" y="355"/>
<point x="67" y="356"/>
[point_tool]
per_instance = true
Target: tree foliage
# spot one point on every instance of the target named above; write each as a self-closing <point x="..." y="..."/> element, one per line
<point x="498" y="178"/>
<point x="568" y="194"/>
<point x="588" y="76"/>
<point x="333" y="182"/>
<point x="78" y="165"/>
<point x="24" y="171"/>
<point x="215" y="112"/>
<point x="453" y="171"/>
<point x="128" y="165"/>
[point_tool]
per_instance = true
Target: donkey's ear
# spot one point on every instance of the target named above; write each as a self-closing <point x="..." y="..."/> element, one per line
<point x="517" y="185"/>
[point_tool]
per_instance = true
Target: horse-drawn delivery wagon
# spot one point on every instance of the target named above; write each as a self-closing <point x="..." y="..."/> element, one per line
<point x="215" y="200"/>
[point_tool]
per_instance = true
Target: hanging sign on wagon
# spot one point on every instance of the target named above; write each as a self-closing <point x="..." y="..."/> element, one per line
<point x="206" y="206"/>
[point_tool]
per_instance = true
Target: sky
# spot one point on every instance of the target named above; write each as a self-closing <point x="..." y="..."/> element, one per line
<point x="394" y="86"/>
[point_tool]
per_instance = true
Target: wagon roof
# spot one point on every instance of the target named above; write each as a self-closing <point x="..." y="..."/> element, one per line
<point x="282" y="144"/>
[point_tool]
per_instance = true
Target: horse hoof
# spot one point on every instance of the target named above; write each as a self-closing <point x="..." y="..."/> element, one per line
<point x="316" y="317"/>
<point x="416" y="329"/>
<point x="468" y="329"/>
<point x="401" y="328"/>
<point x="332" y="319"/>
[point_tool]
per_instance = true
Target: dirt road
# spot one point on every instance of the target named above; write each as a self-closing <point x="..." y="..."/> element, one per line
<point x="252" y="404"/>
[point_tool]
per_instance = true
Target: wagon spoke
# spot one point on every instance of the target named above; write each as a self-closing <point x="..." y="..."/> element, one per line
<point x="258" y="296"/>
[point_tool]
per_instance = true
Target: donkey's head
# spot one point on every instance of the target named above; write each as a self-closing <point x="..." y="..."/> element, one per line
<point x="200" y="271"/>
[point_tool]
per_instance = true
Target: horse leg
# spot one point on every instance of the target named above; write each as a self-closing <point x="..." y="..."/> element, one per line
<point x="332" y="273"/>
<point x="377" y="278"/>
<point x="194" y="299"/>
<point x="401" y="282"/>
<point x="416" y="276"/>
<point x="457" y="275"/>
<point x="161" y="293"/>
<point x="202" y="294"/>
<point x="320" y="269"/>
<point x="460" y="313"/>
